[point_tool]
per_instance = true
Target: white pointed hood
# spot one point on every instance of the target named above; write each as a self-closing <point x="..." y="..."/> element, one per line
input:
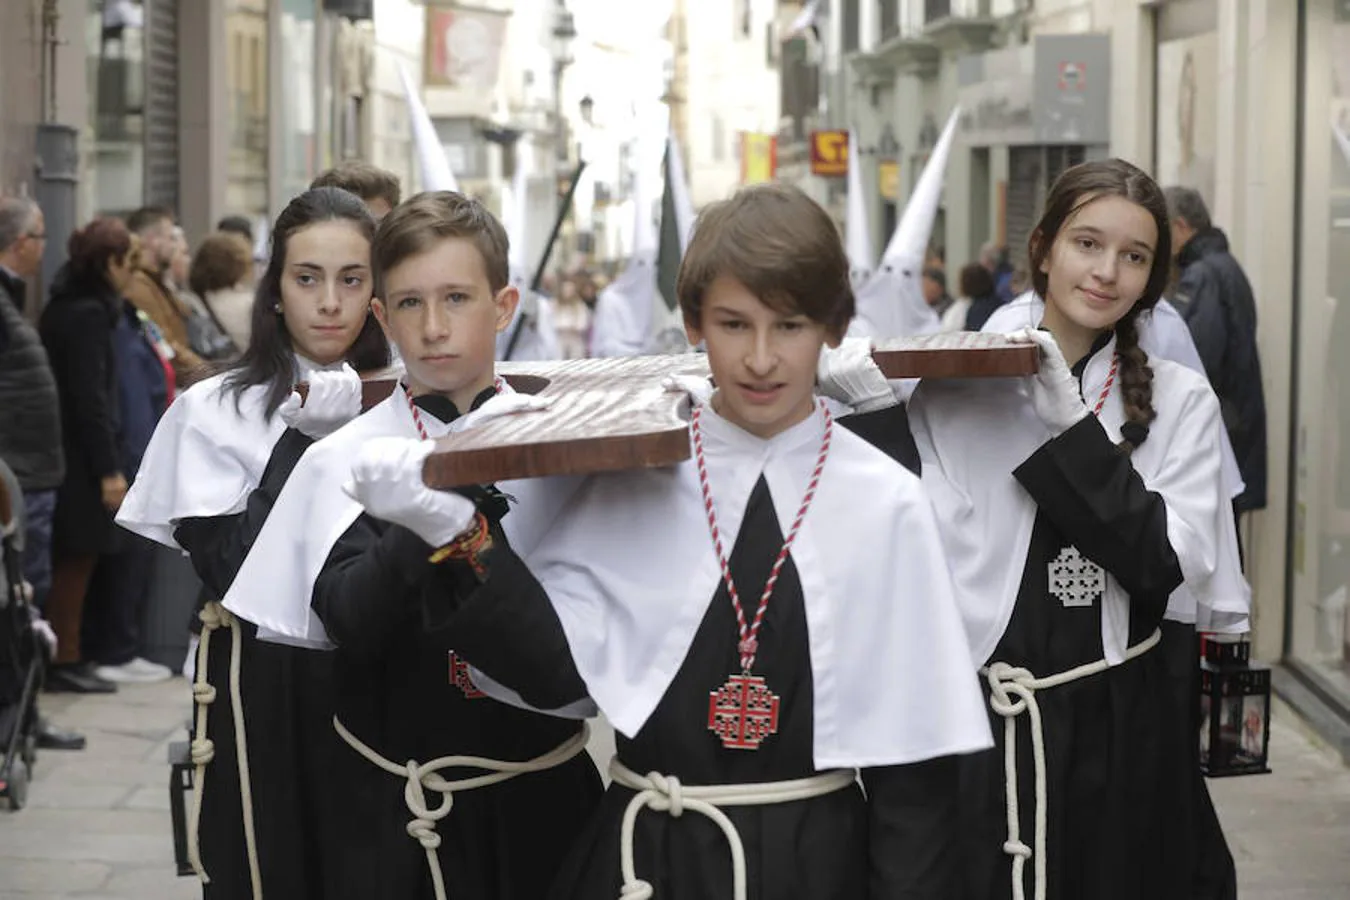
<point x="436" y="172"/>
<point x="892" y="304"/>
<point x="625" y="309"/>
<point x="861" y="260"/>
<point x="516" y="215"/>
<point x="678" y="185"/>
<point x="537" y="339"/>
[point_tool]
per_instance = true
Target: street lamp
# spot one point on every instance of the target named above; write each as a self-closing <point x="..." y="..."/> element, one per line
<point x="564" y="32"/>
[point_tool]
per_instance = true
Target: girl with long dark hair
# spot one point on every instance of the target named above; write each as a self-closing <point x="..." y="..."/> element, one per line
<point x="1078" y="507"/>
<point x="216" y="464"/>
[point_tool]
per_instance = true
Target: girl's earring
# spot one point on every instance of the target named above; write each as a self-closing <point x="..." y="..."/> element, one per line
<point x="276" y="308"/>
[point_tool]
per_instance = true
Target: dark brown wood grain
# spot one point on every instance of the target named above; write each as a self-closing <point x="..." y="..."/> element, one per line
<point x="607" y="415"/>
<point x="613" y="414"/>
<point x="962" y="354"/>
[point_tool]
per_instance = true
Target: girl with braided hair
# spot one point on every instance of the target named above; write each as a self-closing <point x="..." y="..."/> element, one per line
<point x="1078" y="507"/>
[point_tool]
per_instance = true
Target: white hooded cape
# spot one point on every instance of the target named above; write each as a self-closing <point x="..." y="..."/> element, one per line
<point x="275" y="583"/>
<point x="972" y="434"/>
<point x="630" y="569"/>
<point x="204" y="459"/>
<point x="1163" y="334"/>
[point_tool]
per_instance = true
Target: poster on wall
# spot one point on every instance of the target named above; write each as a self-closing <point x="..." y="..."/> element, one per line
<point x="464" y="47"/>
<point x="1187" y="116"/>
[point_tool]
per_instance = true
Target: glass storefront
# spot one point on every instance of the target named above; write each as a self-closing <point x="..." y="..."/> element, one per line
<point x="1319" y="639"/>
<point x="297" y="131"/>
<point x="114" y="139"/>
<point x="246" y="50"/>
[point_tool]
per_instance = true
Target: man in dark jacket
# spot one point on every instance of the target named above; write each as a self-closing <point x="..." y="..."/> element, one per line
<point x="1216" y="300"/>
<point x="30" y="430"/>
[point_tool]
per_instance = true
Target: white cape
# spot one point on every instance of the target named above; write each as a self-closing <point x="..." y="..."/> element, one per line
<point x="275" y="583"/>
<point x="630" y="569"/>
<point x="204" y="459"/>
<point x="972" y="434"/>
<point x="1163" y="334"/>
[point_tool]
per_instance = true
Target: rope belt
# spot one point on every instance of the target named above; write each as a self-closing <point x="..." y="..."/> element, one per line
<point x="664" y="793"/>
<point x="421" y="777"/>
<point x="215" y="616"/>
<point x="1012" y="691"/>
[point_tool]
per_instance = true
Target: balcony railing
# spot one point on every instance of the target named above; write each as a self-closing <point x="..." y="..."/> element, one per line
<point x="936" y="9"/>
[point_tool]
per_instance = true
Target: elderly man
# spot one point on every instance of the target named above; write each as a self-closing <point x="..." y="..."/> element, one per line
<point x="1215" y="298"/>
<point x="30" y="430"/>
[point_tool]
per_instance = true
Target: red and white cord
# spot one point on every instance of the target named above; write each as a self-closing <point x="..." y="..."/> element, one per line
<point x="749" y="635"/>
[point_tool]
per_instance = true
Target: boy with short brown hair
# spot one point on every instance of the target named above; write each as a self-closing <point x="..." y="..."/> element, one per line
<point x="378" y="187"/>
<point x="759" y="623"/>
<point x="358" y="542"/>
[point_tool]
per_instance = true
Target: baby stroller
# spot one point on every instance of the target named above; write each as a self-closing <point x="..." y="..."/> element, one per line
<point x="20" y="659"/>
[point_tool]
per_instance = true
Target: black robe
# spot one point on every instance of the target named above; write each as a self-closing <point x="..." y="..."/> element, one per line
<point x="285" y="694"/>
<point x="384" y="604"/>
<point x="896" y="841"/>
<point x="1121" y="770"/>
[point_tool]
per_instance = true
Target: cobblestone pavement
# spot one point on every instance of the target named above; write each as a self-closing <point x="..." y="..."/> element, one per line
<point x="97" y="823"/>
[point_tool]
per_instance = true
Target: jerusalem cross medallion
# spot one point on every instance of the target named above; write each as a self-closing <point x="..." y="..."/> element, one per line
<point x="743" y="712"/>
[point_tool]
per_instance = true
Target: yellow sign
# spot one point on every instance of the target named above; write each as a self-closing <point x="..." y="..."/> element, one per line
<point x="759" y="157"/>
<point x="888" y="179"/>
<point x="829" y="153"/>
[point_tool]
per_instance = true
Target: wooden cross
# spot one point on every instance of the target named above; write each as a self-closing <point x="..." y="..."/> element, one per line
<point x="614" y="414"/>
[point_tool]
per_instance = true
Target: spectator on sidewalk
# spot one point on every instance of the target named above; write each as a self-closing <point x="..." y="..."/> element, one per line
<point x="150" y="293"/>
<point x="222" y="276"/>
<point x="935" y="290"/>
<point x="110" y="630"/>
<point x="30" y="432"/>
<point x="77" y="330"/>
<point x="1216" y="300"/>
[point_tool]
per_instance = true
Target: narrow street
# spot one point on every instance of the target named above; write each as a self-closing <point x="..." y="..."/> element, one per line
<point x="97" y="824"/>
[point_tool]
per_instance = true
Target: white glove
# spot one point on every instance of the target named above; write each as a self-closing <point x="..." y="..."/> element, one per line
<point x="1054" y="390"/>
<point x="698" y="389"/>
<point x="387" y="481"/>
<point x="847" y="373"/>
<point x="334" y="400"/>
<point x="503" y="405"/>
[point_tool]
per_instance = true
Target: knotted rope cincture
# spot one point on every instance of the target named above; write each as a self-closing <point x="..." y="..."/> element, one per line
<point x="215" y="616"/>
<point x="665" y="793"/>
<point x="1012" y="691"/>
<point x="421" y="777"/>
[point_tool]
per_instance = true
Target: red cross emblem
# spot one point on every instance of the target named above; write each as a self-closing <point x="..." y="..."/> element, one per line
<point x="743" y="712"/>
<point x="459" y="677"/>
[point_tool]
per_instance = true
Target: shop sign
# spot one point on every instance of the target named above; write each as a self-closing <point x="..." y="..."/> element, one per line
<point x="829" y="153"/>
<point x="888" y="179"/>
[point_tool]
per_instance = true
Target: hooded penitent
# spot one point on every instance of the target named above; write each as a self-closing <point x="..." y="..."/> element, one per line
<point x="891" y="304"/>
<point x="856" y="233"/>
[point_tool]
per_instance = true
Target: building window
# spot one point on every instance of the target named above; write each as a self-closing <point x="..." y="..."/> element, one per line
<point x="745" y="18"/>
<point x="116" y="69"/>
<point x="888" y="15"/>
<point x="1319" y="552"/>
<point x="849" y="13"/>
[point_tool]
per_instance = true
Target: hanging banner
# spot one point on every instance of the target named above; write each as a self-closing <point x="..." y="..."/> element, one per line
<point x="759" y="157"/>
<point x="829" y="153"/>
<point x="888" y="179"/>
<point x="463" y="47"/>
